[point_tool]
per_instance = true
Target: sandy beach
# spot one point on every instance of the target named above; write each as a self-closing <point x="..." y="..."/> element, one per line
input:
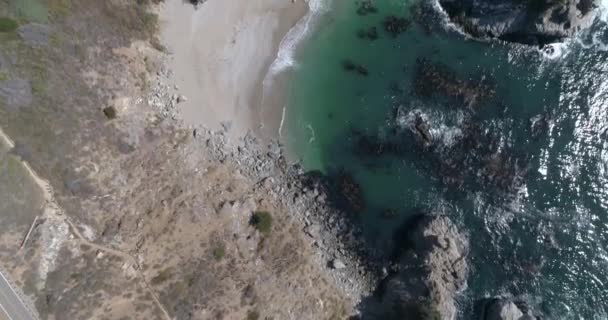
<point x="219" y="55"/>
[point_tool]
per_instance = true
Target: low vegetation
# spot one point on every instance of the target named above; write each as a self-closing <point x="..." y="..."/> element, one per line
<point x="427" y="310"/>
<point x="253" y="315"/>
<point x="219" y="252"/>
<point x="8" y="24"/>
<point x="162" y="276"/>
<point x="262" y="221"/>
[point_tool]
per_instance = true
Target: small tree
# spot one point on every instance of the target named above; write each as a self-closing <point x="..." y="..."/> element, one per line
<point x="262" y="221"/>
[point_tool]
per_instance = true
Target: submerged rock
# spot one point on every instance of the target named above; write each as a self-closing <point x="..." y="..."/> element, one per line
<point x="349" y="65"/>
<point x="533" y="22"/>
<point x="396" y="25"/>
<point x="351" y="191"/>
<point x="370" y="33"/>
<point x="366" y="7"/>
<point x="432" y="271"/>
<point x="435" y="78"/>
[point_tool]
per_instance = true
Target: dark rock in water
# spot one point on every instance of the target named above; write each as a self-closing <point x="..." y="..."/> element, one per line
<point x="349" y="65"/>
<point x="432" y="78"/>
<point x="431" y="272"/>
<point x="366" y="145"/>
<point x="422" y="131"/>
<point x="539" y="125"/>
<point x="396" y="25"/>
<point x="351" y="191"/>
<point x="503" y="309"/>
<point x="370" y="34"/>
<point x="388" y="214"/>
<point x="533" y="22"/>
<point x="366" y="7"/>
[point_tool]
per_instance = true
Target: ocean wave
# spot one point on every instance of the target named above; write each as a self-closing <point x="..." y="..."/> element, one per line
<point x="286" y="54"/>
<point x="444" y="128"/>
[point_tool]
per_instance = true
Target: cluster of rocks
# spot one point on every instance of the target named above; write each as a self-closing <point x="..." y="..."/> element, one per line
<point x="532" y="22"/>
<point x="500" y="308"/>
<point x="163" y="96"/>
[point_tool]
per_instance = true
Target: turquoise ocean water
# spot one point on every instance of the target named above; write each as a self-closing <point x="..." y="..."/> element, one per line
<point x="524" y="172"/>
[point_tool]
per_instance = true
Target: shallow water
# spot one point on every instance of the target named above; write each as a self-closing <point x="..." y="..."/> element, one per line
<point x="522" y="171"/>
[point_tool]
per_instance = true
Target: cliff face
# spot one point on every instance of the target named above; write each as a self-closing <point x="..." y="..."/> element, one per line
<point x="533" y="22"/>
<point x="431" y="272"/>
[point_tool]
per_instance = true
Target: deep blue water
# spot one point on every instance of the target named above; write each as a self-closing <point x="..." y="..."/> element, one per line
<point x="522" y="170"/>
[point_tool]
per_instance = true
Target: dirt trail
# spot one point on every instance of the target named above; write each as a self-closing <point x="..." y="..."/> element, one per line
<point x="52" y="203"/>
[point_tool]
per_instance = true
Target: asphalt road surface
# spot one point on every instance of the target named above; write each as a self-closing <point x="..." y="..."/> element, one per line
<point x="11" y="306"/>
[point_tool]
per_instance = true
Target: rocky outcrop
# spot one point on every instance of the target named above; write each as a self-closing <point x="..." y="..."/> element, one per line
<point x="431" y="271"/>
<point x="533" y="22"/>
<point x="504" y="309"/>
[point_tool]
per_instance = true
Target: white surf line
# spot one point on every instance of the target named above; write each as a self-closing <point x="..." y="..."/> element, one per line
<point x="282" y="121"/>
<point x="49" y="197"/>
<point x="312" y="133"/>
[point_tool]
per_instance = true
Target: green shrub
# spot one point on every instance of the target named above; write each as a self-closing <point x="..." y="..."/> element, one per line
<point x="162" y="276"/>
<point x="253" y="315"/>
<point x="262" y="221"/>
<point x="8" y="24"/>
<point x="219" y="252"/>
<point x="427" y="310"/>
<point x="109" y="112"/>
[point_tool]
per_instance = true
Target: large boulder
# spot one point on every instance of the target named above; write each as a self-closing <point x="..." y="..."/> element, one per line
<point x="504" y="309"/>
<point x="433" y="270"/>
<point x="533" y="22"/>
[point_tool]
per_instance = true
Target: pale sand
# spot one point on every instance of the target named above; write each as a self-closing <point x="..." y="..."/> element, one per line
<point x="220" y="54"/>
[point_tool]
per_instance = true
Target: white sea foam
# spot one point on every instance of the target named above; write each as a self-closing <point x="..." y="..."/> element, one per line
<point x="285" y="58"/>
<point x="445" y="19"/>
<point x="286" y="54"/>
<point x="444" y="128"/>
<point x="556" y="50"/>
<point x="602" y="7"/>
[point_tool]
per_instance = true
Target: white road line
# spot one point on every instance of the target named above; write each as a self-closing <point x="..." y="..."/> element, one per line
<point x="25" y="307"/>
<point x="5" y="312"/>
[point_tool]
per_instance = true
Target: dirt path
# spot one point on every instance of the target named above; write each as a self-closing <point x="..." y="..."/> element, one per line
<point x="52" y="203"/>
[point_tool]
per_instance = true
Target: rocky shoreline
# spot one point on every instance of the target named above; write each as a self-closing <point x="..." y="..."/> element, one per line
<point x="424" y="278"/>
<point x="529" y="22"/>
<point x="341" y="250"/>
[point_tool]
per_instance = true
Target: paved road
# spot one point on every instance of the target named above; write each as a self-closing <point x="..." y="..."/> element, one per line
<point x="11" y="306"/>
